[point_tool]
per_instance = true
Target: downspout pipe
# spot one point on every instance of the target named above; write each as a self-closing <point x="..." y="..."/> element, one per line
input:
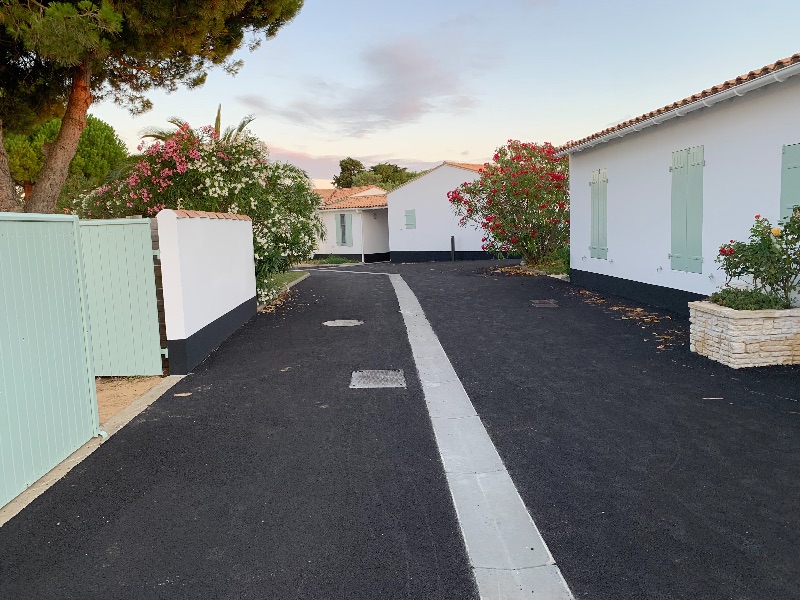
<point x="739" y="90"/>
<point x="361" y="212"/>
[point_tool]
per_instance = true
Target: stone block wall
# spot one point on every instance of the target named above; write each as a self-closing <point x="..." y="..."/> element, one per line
<point x="745" y="338"/>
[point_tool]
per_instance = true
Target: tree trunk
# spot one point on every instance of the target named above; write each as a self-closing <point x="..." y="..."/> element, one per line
<point x="27" y="190"/>
<point x="56" y="165"/>
<point x="9" y="202"/>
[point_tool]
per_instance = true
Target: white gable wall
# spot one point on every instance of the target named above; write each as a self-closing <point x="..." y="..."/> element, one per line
<point x="436" y="221"/>
<point x="742" y="139"/>
<point x="373" y="236"/>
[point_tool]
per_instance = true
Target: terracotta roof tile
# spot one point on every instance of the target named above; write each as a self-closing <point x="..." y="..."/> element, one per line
<point x="201" y="214"/>
<point x="747" y="77"/>
<point x="469" y="166"/>
<point x="347" y="197"/>
<point x="375" y="201"/>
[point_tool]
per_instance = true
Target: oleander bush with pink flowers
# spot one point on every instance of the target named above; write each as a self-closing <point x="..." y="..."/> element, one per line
<point x="199" y="170"/>
<point x="520" y="201"/>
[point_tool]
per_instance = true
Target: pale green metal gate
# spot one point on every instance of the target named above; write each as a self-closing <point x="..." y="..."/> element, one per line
<point x="48" y="406"/>
<point x="120" y="285"/>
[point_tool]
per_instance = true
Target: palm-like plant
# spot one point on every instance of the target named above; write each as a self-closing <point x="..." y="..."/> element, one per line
<point x="230" y="134"/>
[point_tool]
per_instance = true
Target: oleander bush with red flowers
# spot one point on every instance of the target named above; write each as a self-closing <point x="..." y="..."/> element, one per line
<point x="521" y="201"/>
<point x="768" y="264"/>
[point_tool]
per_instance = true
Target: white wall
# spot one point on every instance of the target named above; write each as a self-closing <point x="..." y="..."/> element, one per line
<point x="207" y="269"/>
<point x="376" y="231"/>
<point x="436" y="221"/>
<point x="330" y="220"/>
<point x="742" y="140"/>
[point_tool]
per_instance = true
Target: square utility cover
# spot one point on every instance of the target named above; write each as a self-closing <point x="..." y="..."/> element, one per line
<point x="378" y="379"/>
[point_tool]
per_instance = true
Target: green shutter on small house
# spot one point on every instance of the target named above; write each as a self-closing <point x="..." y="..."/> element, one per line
<point x="348" y="219"/>
<point x="338" y="226"/>
<point x="790" y="179"/>
<point x="602" y="215"/>
<point x="687" y="210"/>
<point x="680" y="182"/>
<point x="594" y="199"/>
<point x="694" y="211"/>
<point x="411" y="219"/>
<point x="599" y="214"/>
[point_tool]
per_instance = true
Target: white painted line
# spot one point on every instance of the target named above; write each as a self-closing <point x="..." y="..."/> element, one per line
<point x="508" y="555"/>
<point x="536" y="582"/>
<point x="110" y="427"/>
<point x="465" y="446"/>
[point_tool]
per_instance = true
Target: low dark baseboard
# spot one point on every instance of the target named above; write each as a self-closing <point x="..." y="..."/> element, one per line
<point x="647" y="293"/>
<point x="185" y="355"/>
<point x="376" y="257"/>
<point x="405" y="256"/>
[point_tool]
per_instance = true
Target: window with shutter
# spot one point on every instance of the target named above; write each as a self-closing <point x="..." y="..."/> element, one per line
<point x="344" y="229"/>
<point x="411" y="219"/>
<point x="790" y="179"/>
<point x="687" y="210"/>
<point x="599" y="214"/>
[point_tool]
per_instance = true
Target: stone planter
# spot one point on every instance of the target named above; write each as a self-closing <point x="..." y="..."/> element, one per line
<point x="745" y="338"/>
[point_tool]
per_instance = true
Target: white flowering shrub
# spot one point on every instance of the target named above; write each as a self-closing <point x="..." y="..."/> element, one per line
<point x="198" y="170"/>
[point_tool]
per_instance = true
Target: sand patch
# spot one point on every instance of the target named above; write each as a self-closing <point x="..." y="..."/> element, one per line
<point x="115" y="393"/>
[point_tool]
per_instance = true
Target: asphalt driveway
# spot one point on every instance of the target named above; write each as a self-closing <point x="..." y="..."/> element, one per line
<point x="273" y="479"/>
<point x="650" y="472"/>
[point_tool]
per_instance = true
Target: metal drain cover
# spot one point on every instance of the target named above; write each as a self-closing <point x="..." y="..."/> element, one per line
<point x="378" y="379"/>
<point x="544" y="303"/>
<point x="343" y="323"/>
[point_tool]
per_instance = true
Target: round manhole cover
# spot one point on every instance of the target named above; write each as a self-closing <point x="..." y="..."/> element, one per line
<point x="343" y="323"/>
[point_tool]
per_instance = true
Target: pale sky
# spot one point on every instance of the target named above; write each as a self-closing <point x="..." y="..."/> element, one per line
<point x="418" y="82"/>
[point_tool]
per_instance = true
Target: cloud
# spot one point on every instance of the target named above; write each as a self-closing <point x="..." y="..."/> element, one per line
<point x="406" y="79"/>
<point x="326" y="166"/>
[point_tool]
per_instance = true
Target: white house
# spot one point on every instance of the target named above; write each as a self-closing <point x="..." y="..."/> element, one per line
<point x="356" y="223"/>
<point x="653" y="198"/>
<point x="422" y="222"/>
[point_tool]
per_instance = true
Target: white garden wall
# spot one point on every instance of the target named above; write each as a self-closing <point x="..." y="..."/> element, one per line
<point x="208" y="275"/>
<point x="435" y="220"/>
<point x="743" y="140"/>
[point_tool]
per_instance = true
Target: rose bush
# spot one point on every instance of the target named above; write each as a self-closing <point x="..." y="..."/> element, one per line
<point x="198" y="170"/>
<point x="521" y="201"/>
<point x="769" y="263"/>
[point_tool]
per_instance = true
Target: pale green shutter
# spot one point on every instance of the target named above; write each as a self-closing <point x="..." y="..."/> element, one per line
<point x="602" y="214"/>
<point x="348" y="228"/>
<point x="599" y="200"/>
<point x="680" y="182"/>
<point x="594" y="189"/>
<point x="411" y="219"/>
<point x="338" y="226"/>
<point x="694" y="211"/>
<point x="790" y="179"/>
<point x="687" y="210"/>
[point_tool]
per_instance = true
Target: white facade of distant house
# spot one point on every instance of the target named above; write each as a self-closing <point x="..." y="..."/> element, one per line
<point x="421" y="219"/>
<point x="360" y="233"/>
<point x="744" y="159"/>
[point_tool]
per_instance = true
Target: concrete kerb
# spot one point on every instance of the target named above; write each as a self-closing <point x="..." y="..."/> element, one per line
<point x="287" y="287"/>
<point x="109" y="428"/>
